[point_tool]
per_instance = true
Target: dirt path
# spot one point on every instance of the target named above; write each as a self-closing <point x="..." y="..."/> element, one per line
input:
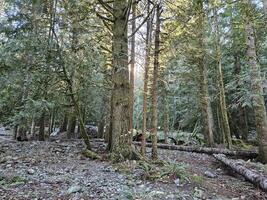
<point x="51" y="170"/>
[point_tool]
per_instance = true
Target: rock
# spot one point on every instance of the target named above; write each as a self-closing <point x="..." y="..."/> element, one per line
<point x="177" y="182"/>
<point x="198" y="193"/>
<point x="31" y="171"/>
<point x="74" y="189"/>
<point x="210" y="174"/>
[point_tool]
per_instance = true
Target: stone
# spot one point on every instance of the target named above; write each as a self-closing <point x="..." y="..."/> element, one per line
<point x="177" y="182"/>
<point x="210" y="174"/>
<point x="74" y="189"/>
<point x="31" y="171"/>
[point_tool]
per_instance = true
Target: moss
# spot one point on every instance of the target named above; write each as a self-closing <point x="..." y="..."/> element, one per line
<point x="241" y="144"/>
<point x="197" y="179"/>
<point x="13" y="180"/>
<point x="90" y="154"/>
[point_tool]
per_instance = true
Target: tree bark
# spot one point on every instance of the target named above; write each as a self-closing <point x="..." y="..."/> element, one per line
<point x="132" y="69"/>
<point x="224" y="119"/>
<point x="251" y="176"/>
<point x="120" y="145"/>
<point x="42" y="127"/>
<point x="206" y="150"/>
<point x="145" y="89"/>
<point x="155" y="85"/>
<point x="203" y="82"/>
<point x="257" y="93"/>
<point x="64" y="124"/>
<point x="71" y="126"/>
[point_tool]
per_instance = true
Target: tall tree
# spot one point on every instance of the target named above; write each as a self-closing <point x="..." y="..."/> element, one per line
<point x="203" y="81"/>
<point x="154" y="119"/>
<point x="256" y="88"/>
<point x="120" y="145"/>
<point x="220" y="82"/>
<point x="134" y="4"/>
<point x="146" y="69"/>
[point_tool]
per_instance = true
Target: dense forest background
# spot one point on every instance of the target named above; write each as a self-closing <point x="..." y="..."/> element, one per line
<point x="180" y="70"/>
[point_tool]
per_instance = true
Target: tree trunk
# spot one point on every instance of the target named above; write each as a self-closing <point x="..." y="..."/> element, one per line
<point x="71" y="127"/>
<point x="166" y="114"/>
<point x="155" y="85"/>
<point x="132" y="69"/>
<point x="257" y="91"/>
<point x="42" y="127"/>
<point x="145" y="89"/>
<point x="64" y="124"/>
<point x="241" y="116"/>
<point x="32" y="132"/>
<point x="224" y="119"/>
<point x="251" y="176"/>
<point x="120" y="145"/>
<point x="51" y="122"/>
<point x="203" y="82"/>
<point x="206" y="150"/>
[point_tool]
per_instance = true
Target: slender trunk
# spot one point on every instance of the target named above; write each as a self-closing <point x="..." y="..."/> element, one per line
<point x="15" y="131"/>
<point x="145" y="89"/>
<point x="51" y="122"/>
<point x="203" y="81"/>
<point x="257" y="91"/>
<point x="132" y="69"/>
<point x="155" y="85"/>
<point x="42" y="127"/>
<point x="71" y="127"/>
<point x="32" y="132"/>
<point x="120" y="146"/>
<point x="225" y="121"/>
<point x="166" y="122"/>
<point x="64" y="124"/>
<point x="221" y="137"/>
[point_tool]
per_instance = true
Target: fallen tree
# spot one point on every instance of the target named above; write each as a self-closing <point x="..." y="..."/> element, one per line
<point x="251" y="176"/>
<point x="237" y="153"/>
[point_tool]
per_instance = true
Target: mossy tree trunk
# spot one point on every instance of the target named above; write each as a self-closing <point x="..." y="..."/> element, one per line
<point x="257" y="92"/>
<point x="220" y="82"/>
<point x="132" y="68"/>
<point x="120" y="145"/>
<point x="71" y="126"/>
<point x="204" y="99"/>
<point x="64" y="124"/>
<point x="155" y="85"/>
<point x="145" y="87"/>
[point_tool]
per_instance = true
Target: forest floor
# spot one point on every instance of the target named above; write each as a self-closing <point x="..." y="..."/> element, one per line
<point x="58" y="170"/>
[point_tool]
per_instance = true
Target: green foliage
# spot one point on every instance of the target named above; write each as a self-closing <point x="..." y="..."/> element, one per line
<point x="164" y="171"/>
<point x="13" y="180"/>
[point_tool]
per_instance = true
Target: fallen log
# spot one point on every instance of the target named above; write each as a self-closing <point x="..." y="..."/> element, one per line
<point x="237" y="153"/>
<point x="251" y="176"/>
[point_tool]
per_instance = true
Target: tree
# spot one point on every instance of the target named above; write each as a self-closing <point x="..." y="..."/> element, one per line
<point x="220" y="82"/>
<point x="145" y="80"/>
<point x="120" y="145"/>
<point x="256" y="88"/>
<point x="203" y="82"/>
<point x="154" y="95"/>
<point x="132" y="68"/>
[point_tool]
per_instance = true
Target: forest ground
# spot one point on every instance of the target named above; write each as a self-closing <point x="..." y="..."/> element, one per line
<point x="58" y="170"/>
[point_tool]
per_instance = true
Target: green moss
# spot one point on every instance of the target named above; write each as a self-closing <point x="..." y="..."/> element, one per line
<point x="14" y="180"/>
<point x="197" y="179"/>
<point x="241" y="144"/>
<point x="90" y="154"/>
